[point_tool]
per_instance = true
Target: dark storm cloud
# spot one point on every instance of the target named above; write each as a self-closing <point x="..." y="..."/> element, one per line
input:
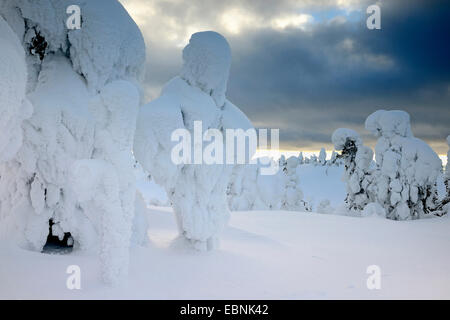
<point x="332" y="73"/>
<point x="309" y="83"/>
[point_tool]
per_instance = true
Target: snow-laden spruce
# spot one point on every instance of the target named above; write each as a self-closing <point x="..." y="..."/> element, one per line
<point x="322" y="156"/>
<point x="105" y="184"/>
<point x="242" y="191"/>
<point x="251" y="190"/>
<point x="198" y="192"/>
<point x="293" y="195"/>
<point x="248" y="189"/>
<point x="14" y="106"/>
<point x="75" y="166"/>
<point x="407" y="168"/>
<point x="357" y="159"/>
<point x="108" y="46"/>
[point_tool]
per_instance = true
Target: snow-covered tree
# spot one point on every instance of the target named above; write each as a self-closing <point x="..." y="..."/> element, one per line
<point x="270" y="190"/>
<point x="322" y="156"/>
<point x="198" y="192"/>
<point x="313" y="159"/>
<point x="83" y="86"/>
<point x="333" y="158"/>
<point x="325" y="207"/>
<point x="282" y="163"/>
<point x="242" y="188"/>
<point x="444" y="205"/>
<point x="300" y="158"/>
<point x="14" y="105"/>
<point x="447" y="169"/>
<point x="250" y="190"/>
<point x="357" y="159"/>
<point x="407" y="168"/>
<point x="293" y="195"/>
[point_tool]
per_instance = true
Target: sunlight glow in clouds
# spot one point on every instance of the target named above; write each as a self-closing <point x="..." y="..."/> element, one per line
<point x="294" y="21"/>
<point x="235" y="19"/>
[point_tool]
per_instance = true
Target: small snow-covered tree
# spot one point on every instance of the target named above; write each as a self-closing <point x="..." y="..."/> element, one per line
<point x="322" y="156"/>
<point x="250" y="190"/>
<point x="293" y="195"/>
<point x="447" y="169"/>
<point x="444" y="205"/>
<point x="313" y="159"/>
<point x="242" y="188"/>
<point x="301" y="159"/>
<point x="407" y="168"/>
<point x="357" y="159"/>
<point x="333" y="158"/>
<point x="325" y="207"/>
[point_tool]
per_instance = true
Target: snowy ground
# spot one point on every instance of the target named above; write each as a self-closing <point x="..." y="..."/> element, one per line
<point x="264" y="255"/>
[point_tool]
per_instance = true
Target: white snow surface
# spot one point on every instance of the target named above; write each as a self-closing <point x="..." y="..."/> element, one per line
<point x="407" y="168"/>
<point x="263" y="255"/>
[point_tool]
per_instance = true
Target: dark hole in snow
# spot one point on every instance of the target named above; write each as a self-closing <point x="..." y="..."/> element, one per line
<point x="38" y="46"/>
<point x="56" y="246"/>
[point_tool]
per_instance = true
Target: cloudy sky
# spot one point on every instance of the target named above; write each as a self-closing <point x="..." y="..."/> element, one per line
<point x="309" y="67"/>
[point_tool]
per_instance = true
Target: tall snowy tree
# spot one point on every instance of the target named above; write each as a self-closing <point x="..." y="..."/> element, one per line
<point x="293" y="195"/>
<point x="198" y="191"/>
<point x="300" y="158"/>
<point x="82" y="84"/>
<point x="322" y="156"/>
<point x="407" y="168"/>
